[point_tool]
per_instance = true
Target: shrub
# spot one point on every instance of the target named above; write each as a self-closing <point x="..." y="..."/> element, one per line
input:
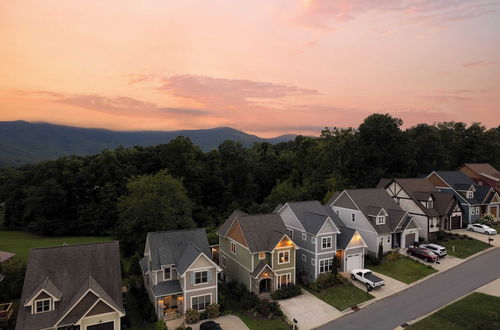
<point x="213" y="311"/>
<point x="486" y="219"/>
<point x="160" y="325"/>
<point x="192" y="316"/>
<point x="392" y="256"/>
<point x="268" y="309"/>
<point x="248" y="300"/>
<point x="371" y="260"/>
<point x="341" y="279"/>
<point x="285" y="292"/>
<point x="325" y="280"/>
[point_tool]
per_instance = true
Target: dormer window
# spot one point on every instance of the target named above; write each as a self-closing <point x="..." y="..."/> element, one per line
<point x="43" y="305"/>
<point x="430" y="203"/>
<point x="167" y="273"/>
<point x="470" y="194"/>
<point x="380" y="219"/>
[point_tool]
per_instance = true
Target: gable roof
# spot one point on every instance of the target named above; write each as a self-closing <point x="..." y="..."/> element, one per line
<point x="48" y="286"/>
<point x="313" y="215"/>
<point x="177" y="247"/>
<point x="460" y="182"/>
<point x="484" y="169"/>
<point x="259" y="269"/>
<point x="70" y="270"/>
<point x="344" y="239"/>
<point x="370" y="202"/>
<point x="224" y="228"/>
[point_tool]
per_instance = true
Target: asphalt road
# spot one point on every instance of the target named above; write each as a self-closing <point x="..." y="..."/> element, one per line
<point x="425" y="297"/>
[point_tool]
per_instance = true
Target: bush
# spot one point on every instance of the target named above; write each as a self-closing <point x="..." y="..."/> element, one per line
<point x="213" y="311"/>
<point x="268" y="309"/>
<point x="392" y="256"/>
<point x="326" y="280"/>
<point x="160" y="325"/>
<point x="371" y="260"/>
<point x="487" y="219"/>
<point x="285" y="292"/>
<point x="192" y="316"/>
<point x="248" y="300"/>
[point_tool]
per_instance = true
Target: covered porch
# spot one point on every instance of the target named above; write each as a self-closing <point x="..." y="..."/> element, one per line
<point x="169" y="302"/>
<point x="262" y="279"/>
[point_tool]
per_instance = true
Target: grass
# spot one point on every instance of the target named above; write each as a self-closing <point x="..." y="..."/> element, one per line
<point x="255" y="324"/>
<point x="133" y="311"/>
<point x="476" y="311"/>
<point x="464" y="247"/>
<point x="20" y="242"/>
<point x="496" y="227"/>
<point x="343" y="296"/>
<point x="404" y="269"/>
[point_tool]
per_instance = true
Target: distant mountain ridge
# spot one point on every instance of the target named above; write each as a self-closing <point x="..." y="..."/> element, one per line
<point x="24" y="142"/>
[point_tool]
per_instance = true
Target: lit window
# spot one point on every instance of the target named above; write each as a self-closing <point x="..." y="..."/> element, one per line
<point x="326" y="242"/>
<point x="200" y="303"/>
<point x="326" y="265"/>
<point x="262" y="255"/>
<point x="283" y="257"/>
<point x="42" y="305"/>
<point x="284" y="280"/>
<point x="233" y="248"/>
<point x="201" y="277"/>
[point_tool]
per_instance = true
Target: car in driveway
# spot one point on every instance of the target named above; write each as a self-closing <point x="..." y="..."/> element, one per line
<point x="480" y="228"/>
<point x="437" y="249"/>
<point x="423" y="253"/>
<point x="210" y="325"/>
<point x="366" y="276"/>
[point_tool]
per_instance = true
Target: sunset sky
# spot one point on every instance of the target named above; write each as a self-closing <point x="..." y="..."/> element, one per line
<point x="266" y="67"/>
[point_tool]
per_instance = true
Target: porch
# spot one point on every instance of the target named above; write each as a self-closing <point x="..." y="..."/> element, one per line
<point x="170" y="307"/>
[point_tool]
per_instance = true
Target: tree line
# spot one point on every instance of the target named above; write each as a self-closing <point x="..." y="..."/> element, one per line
<point x="117" y="192"/>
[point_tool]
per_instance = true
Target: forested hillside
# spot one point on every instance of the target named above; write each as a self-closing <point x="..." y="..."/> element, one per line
<point x="22" y="142"/>
<point x="79" y="195"/>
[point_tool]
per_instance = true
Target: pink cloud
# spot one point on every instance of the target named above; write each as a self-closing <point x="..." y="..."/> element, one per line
<point x="477" y="64"/>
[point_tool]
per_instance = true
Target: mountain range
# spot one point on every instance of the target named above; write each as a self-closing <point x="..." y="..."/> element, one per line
<point x="24" y="142"/>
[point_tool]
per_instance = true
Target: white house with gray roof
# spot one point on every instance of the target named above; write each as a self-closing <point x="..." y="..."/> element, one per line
<point x="72" y="287"/>
<point x="178" y="272"/>
<point x="377" y="217"/>
<point x="321" y="236"/>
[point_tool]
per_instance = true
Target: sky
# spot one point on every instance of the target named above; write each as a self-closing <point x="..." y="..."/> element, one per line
<point x="268" y="67"/>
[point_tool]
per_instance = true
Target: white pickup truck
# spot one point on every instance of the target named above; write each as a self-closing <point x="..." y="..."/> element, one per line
<point x="366" y="276"/>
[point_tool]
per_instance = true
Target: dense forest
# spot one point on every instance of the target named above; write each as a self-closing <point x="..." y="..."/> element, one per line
<point x="89" y="195"/>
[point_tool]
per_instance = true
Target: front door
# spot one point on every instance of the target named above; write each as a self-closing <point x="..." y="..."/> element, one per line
<point x="265" y="285"/>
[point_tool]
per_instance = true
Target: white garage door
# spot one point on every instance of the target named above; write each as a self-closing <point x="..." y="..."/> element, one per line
<point x="354" y="261"/>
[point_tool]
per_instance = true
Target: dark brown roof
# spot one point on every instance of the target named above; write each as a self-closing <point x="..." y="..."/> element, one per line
<point x="483" y="168"/>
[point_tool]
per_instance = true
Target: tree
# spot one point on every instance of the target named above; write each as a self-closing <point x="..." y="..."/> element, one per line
<point x="153" y="203"/>
<point x="11" y="286"/>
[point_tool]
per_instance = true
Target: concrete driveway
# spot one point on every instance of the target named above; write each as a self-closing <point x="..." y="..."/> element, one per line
<point x="391" y="286"/>
<point x="479" y="236"/>
<point x="443" y="264"/>
<point x="308" y="310"/>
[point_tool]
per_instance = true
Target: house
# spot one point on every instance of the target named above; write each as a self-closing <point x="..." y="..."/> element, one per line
<point x="482" y="174"/>
<point x="178" y="272"/>
<point x="72" y="287"/>
<point x="4" y="257"/>
<point x="432" y="209"/>
<point x="377" y="217"/>
<point x="475" y="200"/>
<point x="321" y="236"/>
<point x="256" y="251"/>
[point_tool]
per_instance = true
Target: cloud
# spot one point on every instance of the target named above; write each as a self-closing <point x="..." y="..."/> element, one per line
<point x="446" y="98"/>
<point x="327" y="14"/>
<point x="477" y="64"/>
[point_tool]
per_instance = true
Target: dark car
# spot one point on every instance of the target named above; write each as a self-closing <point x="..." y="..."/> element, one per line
<point x="423" y="253"/>
<point x="210" y="325"/>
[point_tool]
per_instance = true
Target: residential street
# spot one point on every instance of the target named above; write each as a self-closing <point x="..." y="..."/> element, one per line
<point x="424" y="297"/>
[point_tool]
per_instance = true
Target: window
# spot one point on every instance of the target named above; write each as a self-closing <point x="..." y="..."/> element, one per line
<point x="200" y="303"/>
<point x="380" y="219"/>
<point x="470" y="194"/>
<point x="477" y="210"/>
<point x="284" y="279"/>
<point x="304" y="257"/>
<point x="389" y="239"/>
<point x="167" y="273"/>
<point x="224" y="261"/>
<point x="326" y="265"/>
<point x="201" y="277"/>
<point x="313" y="262"/>
<point x="262" y="255"/>
<point x="290" y="233"/>
<point x="353" y="217"/>
<point x="42" y="305"/>
<point x="430" y="204"/>
<point x="233" y="247"/>
<point x="313" y="240"/>
<point x="326" y="242"/>
<point x="472" y="210"/>
<point x="283" y="257"/>
<point x="338" y="213"/>
<point x="304" y="236"/>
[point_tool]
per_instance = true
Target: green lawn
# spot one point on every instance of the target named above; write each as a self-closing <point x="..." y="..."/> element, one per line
<point x="404" y="269"/>
<point x="463" y="248"/>
<point x="477" y="311"/>
<point x="254" y="324"/>
<point x="496" y="227"/>
<point x="20" y="242"/>
<point x="343" y="296"/>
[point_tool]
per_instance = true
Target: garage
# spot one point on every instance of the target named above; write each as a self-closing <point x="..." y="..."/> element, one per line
<point x="409" y="239"/>
<point x="455" y="222"/>
<point x="354" y="261"/>
<point x="102" y="326"/>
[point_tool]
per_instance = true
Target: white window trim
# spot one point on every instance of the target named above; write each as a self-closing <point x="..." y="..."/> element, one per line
<point x="353" y="217"/>
<point x="288" y="279"/>
<point x="470" y="194"/>
<point x="290" y="232"/>
<point x="223" y="261"/>
<point x="388" y="239"/>
<point x="264" y="255"/>
<point x="284" y="262"/>
<point x="233" y="248"/>
<point x="200" y="271"/>
<point x="201" y="295"/>
<point x="170" y="278"/>
<point x="313" y="262"/>
<point x="313" y="240"/>
<point x="478" y="211"/>
<point x="324" y="261"/>
<point x="380" y="220"/>
<point x="304" y="236"/>
<point x="323" y="239"/>
<point x="42" y="300"/>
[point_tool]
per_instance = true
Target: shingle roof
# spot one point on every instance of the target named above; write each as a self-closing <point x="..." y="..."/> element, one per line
<point x="169" y="247"/>
<point x="459" y="181"/>
<point x="227" y="224"/>
<point x="312" y="215"/>
<point x="262" y="231"/>
<point x="191" y="252"/>
<point x="260" y="267"/>
<point x="483" y="168"/>
<point x="345" y="237"/>
<point x="49" y="287"/>
<point x="167" y="288"/>
<point x="372" y="199"/>
<point x="70" y="268"/>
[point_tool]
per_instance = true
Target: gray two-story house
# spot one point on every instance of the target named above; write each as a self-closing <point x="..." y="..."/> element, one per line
<point x="321" y="236"/>
<point x="178" y="272"/>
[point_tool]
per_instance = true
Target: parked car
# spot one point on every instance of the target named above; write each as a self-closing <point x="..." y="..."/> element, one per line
<point x="210" y="325"/>
<point x="483" y="229"/>
<point x="423" y="253"/>
<point x="437" y="249"/>
<point x="366" y="276"/>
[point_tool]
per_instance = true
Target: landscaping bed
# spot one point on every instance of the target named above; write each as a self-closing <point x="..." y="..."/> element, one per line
<point x="476" y="311"/>
<point x="461" y="246"/>
<point x="403" y="269"/>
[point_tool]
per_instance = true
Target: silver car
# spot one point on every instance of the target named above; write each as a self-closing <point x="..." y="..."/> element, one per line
<point x="480" y="228"/>
<point x="437" y="249"/>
